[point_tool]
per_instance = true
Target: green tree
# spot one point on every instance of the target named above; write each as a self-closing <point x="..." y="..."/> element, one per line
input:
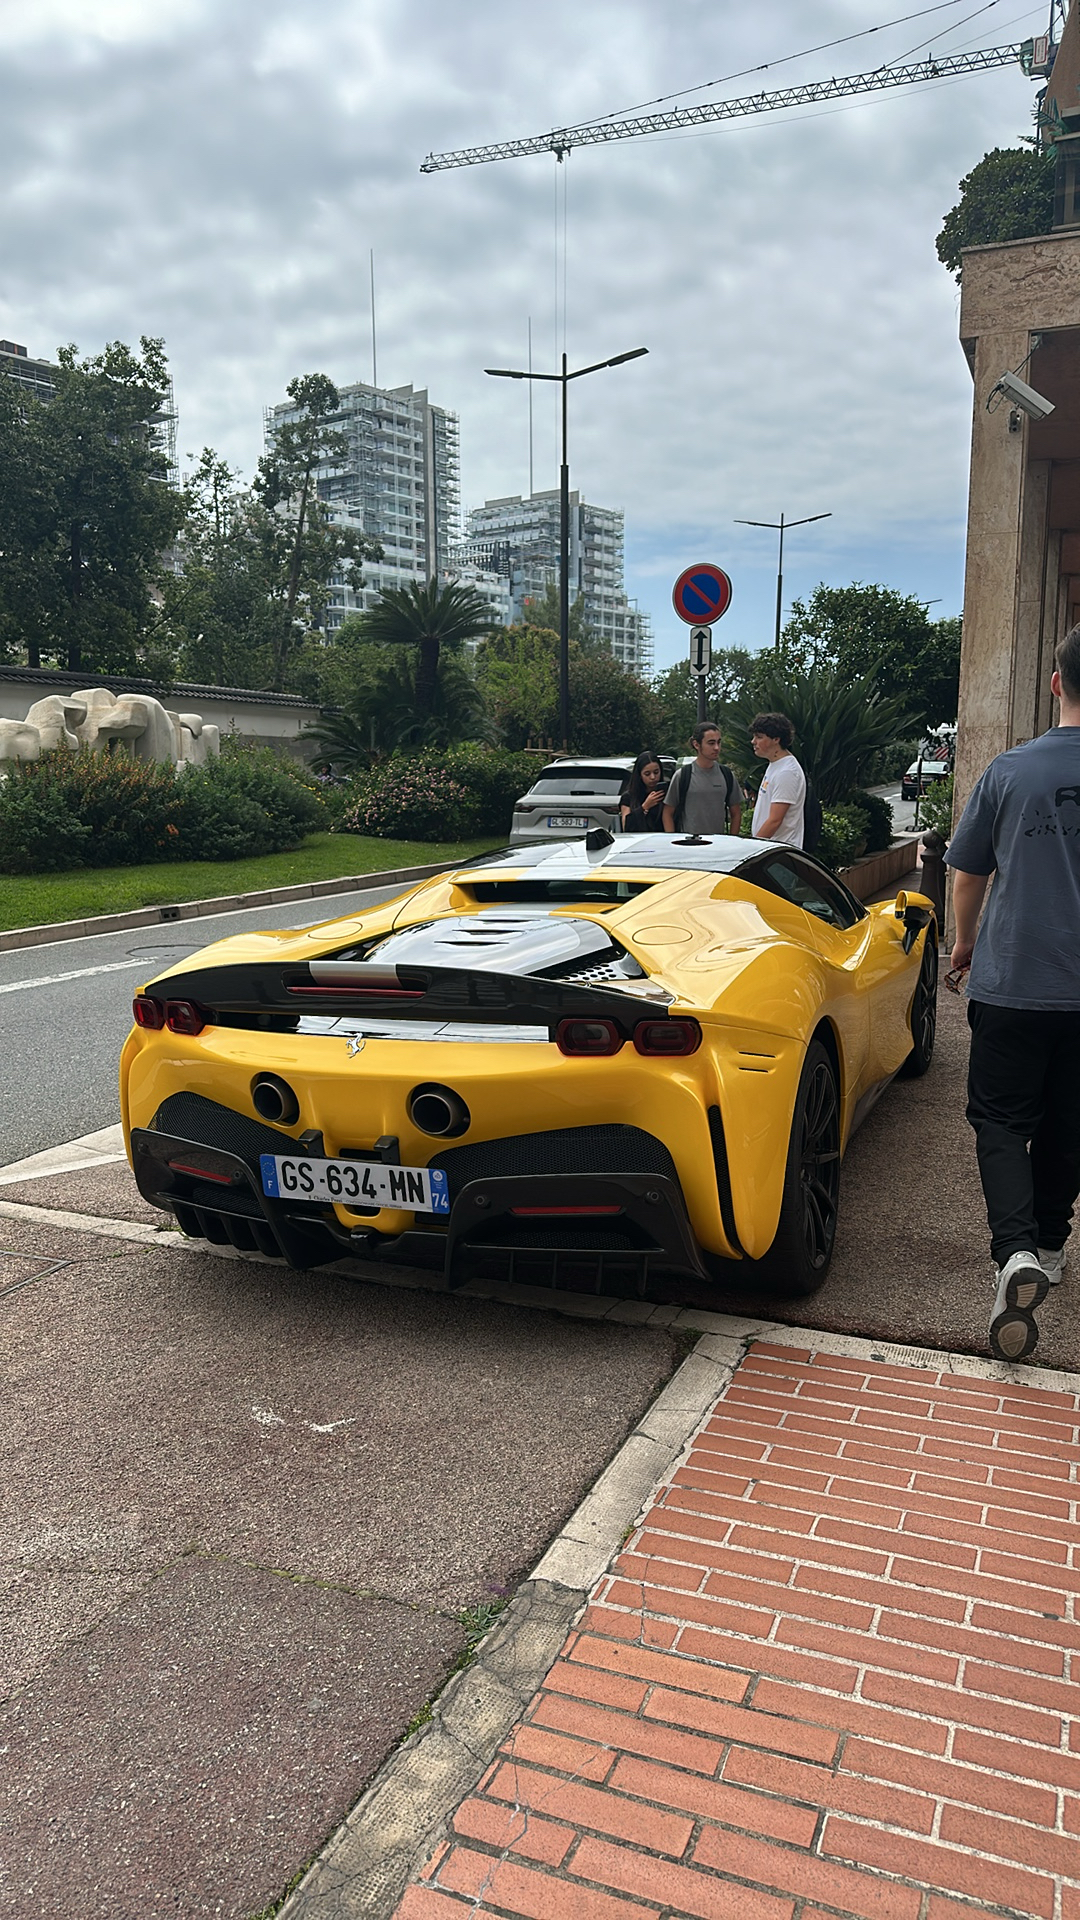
<point x="90" y="513"/>
<point x="517" y="670"/>
<point x="302" y="550"/>
<point x="27" y="511"/>
<point x="1009" y="195"/>
<point x="675" y="689"/>
<point x="429" y="618"/>
<point x="869" y="629"/>
<point x="220" y="606"/>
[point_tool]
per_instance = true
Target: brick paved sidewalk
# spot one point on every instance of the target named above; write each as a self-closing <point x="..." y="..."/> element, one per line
<point x="828" y="1675"/>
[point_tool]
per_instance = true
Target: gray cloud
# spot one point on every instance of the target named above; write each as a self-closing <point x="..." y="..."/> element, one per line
<point x="217" y="174"/>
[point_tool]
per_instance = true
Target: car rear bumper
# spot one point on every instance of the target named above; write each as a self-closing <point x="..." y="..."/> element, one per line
<point x="584" y="1209"/>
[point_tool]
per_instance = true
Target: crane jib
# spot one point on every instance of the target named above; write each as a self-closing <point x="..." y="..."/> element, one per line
<point x="561" y="140"/>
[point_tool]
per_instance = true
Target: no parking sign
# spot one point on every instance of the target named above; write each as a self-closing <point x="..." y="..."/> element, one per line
<point x="701" y="594"/>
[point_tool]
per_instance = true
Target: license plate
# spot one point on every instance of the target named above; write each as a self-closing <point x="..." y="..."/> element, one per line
<point x="567" y="820"/>
<point x="367" y="1182"/>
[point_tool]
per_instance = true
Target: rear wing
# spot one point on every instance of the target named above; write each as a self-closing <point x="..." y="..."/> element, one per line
<point x="333" y="987"/>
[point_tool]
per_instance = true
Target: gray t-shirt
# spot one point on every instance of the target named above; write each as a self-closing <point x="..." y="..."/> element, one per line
<point x="1022" y="824"/>
<point x="706" y="802"/>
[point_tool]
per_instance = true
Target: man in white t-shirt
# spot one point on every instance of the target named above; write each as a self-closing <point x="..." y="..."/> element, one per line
<point x="781" y="799"/>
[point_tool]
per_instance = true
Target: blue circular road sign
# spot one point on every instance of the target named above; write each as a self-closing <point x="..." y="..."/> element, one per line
<point x="701" y="594"/>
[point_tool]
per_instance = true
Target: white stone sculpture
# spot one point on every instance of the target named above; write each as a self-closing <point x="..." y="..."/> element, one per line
<point x="18" y="741"/>
<point x="100" y="720"/>
<point x="57" y="721"/>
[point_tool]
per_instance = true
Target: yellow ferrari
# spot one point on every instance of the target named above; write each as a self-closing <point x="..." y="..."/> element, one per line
<point x="605" y="1064"/>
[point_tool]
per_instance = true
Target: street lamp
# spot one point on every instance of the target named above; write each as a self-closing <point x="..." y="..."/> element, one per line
<point x="564" y="378"/>
<point x="778" y="527"/>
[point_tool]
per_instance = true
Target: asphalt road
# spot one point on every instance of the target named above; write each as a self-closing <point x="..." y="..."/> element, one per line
<point x="66" y="1007"/>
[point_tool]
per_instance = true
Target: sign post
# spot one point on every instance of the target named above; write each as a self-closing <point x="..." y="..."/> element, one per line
<point x="701" y="594"/>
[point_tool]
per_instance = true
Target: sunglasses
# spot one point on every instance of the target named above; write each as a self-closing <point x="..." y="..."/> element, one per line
<point x="954" y="980"/>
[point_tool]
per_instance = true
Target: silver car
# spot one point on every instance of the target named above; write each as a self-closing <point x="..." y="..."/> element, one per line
<point x="570" y="797"/>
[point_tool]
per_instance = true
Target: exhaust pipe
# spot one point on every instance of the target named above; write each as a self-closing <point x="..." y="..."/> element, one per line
<point x="274" y="1099"/>
<point x="438" y="1111"/>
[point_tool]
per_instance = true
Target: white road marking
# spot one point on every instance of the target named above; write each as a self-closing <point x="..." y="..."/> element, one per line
<point x="80" y="973"/>
<point x="267" y="1418"/>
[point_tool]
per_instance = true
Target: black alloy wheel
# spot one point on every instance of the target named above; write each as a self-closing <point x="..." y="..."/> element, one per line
<point x="798" y="1260"/>
<point x="923" y="1012"/>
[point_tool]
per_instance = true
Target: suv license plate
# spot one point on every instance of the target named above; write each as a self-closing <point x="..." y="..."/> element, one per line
<point x="368" y="1182"/>
<point x="567" y="820"/>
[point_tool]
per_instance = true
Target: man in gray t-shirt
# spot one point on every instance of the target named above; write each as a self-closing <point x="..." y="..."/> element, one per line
<point x="1022" y="825"/>
<point x="704" y="796"/>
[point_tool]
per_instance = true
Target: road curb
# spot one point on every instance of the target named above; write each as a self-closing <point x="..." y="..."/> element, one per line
<point x="16" y="937"/>
<point x="366" y="1865"/>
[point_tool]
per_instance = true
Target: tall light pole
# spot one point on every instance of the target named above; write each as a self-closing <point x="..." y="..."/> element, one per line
<point x="564" y="378"/>
<point x="778" y="526"/>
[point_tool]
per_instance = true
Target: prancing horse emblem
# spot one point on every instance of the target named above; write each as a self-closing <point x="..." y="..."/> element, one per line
<point x="356" y="1044"/>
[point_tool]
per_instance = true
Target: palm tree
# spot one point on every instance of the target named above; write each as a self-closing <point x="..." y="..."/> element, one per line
<point x="429" y="618"/>
<point x="381" y="715"/>
<point x="840" y="723"/>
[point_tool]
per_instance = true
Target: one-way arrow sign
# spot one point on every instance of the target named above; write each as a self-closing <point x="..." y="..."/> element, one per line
<point x="700" y="649"/>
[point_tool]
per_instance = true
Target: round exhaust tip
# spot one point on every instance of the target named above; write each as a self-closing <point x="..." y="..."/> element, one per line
<point x="438" y="1111"/>
<point x="274" y="1099"/>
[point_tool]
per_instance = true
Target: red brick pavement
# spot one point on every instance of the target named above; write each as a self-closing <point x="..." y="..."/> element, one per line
<point x="830" y="1674"/>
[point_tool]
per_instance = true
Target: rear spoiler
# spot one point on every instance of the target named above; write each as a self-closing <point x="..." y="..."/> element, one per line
<point x="329" y="987"/>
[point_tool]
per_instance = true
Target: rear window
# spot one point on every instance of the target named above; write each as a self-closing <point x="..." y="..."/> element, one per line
<point x="555" y="892"/>
<point x="579" y="782"/>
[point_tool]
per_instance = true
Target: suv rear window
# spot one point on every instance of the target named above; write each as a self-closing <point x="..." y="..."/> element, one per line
<point x="567" y="781"/>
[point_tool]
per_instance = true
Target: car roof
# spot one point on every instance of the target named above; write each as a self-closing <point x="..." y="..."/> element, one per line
<point x="573" y="860"/>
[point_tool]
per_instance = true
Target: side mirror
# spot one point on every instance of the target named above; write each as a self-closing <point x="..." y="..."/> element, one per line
<point x="914" y="917"/>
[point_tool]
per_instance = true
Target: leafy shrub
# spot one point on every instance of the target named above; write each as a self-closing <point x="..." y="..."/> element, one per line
<point x="406" y="800"/>
<point x="496" y="776"/>
<point x="879" y="818"/>
<point x="936" y="808"/>
<point x="108" y="809"/>
<point x="38" y="833"/>
<point x="492" y="778"/>
<point x="843" y="835"/>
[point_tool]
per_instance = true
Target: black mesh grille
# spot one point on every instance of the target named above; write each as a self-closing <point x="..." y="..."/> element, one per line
<point x="192" y="1117"/>
<point x="566" y="1150"/>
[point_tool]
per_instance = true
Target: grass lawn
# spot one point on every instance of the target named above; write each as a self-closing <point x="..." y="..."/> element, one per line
<point x="29" y="900"/>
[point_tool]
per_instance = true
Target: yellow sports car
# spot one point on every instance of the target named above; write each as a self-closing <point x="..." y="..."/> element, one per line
<point x="595" y="1064"/>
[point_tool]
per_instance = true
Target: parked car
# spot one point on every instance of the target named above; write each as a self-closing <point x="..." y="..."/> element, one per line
<point x="570" y="797"/>
<point x="594" y="1068"/>
<point x="921" y="776"/>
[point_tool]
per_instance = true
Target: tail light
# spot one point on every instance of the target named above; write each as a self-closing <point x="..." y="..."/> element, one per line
<point x="184" y="1016"/>
<point x="653" y="1037"/>
<point x="148" y="1013"/>
<point x="587" y="1038"/>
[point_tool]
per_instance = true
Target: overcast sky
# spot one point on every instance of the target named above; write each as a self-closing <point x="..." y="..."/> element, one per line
<point x="216" y="171"/>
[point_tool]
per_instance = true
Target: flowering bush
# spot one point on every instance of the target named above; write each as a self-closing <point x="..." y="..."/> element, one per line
<point x="108" y="809"/>
<point x="406" y="799"/>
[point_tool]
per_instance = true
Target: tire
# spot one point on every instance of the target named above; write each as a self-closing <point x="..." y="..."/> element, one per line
<point x="798" y="1260"/>
<point x="923" y="1013"/>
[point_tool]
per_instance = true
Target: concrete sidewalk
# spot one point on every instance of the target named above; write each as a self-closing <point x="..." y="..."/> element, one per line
<point x="828" y="1673"/>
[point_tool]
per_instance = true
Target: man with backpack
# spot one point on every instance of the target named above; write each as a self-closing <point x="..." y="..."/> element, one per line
<point x="704" y="797"/>
<point x="781" y="803"/>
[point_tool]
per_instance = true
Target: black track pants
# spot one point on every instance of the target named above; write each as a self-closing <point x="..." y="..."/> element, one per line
<point x="1024" y="1104"/>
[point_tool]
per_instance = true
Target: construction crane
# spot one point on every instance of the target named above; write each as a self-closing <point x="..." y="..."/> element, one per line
<point x="1034" y="56"/>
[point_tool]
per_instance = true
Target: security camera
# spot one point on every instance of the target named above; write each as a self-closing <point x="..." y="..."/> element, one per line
<point x="1025" y="397"/>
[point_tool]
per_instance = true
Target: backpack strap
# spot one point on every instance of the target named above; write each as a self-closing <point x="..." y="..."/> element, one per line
<point x="678" y="790"/>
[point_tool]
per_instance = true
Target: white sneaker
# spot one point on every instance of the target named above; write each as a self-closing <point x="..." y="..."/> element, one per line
<point x="1052" y="1262"/>
<point x="1021" y="1284"/>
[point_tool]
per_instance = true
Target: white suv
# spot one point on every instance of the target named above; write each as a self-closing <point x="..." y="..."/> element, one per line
<point x="570" y="797"/>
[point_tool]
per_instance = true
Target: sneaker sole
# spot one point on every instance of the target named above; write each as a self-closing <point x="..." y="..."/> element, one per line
<point x="1013" y="1335"/>
<point x="1025" y="1293"/>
